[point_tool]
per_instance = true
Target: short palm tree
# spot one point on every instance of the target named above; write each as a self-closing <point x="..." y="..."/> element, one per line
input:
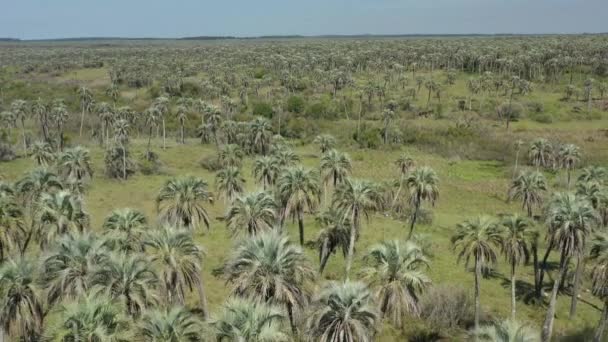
<point x="477" y="239"/>
<point x="266" y="170"/>
<point x="231" y="155"/>
<point x="11" y="222"/>
<point x="298" y="190"/>
<point x="229" y="183"/>
<point x="333" y="235"/>
<point x="68" y="266"/>
<point x="261" y="134"/>
<point x="598" y="196"/>
<point x="569" y="219"/>
<point x="285" y="158"/>
<point x="75" y="163"/>
<point x="326" y="142"/>
<point x="528" y="187"/>
<point x="21" y="300"/>
<point x="355" y="199"/>
<point x="387" y="118"/>
<point x="540" y="153"/>
<point x="569" y="155"/>
<point x="395" y="272"/>
<point x="180" y="202"/>
<point x="254" y="212"/>
<point x="405" y="164"/>
<point x="37" y="182"/>
<point x="342" y="312"/>
<point x="175" y="324"/>
<point x="59" y="213"/>
<point x="593" y="173"/>
<point x="128" y="279"/>
<point x="423" y="185"/>
<point x="123" y="229"/>
<point x="335" y="167"/>
<point x="269" y="268"/>
<point x="92" y="318"/>
<point x="42" y="153"/>
<point x="516" y="247"/>
<point x="178" y="259"/>
<point x="247" y="320"/>
<point x="508" y="331"/>
<point x="599" y="257"/>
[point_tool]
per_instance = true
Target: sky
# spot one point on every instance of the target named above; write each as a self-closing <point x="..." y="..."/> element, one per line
<point x="43" y="19"/>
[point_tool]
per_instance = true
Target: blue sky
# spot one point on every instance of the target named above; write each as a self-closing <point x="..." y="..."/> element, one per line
<point x="32" y="19"/>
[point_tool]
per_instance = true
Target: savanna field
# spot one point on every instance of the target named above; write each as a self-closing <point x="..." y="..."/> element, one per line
<point x="494" y="150"/>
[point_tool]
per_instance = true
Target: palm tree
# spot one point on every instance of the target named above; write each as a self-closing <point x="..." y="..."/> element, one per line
<point x="69" y="265"/>
<point x="540" y="152"/>
<point x="42" y="153"/>
<point x="92" y="318"/>
<point x="478" y="238"/>
<point x="152" y="118"/>
<point x="179" y="260"/>
<point x="59" y="213"/>
<point x="342" y="312"/>
<point x="21" y="308"/>
<point x="516" y="249"/>
<point x="231" y="155"/>
<point x="518" y="144"/>
<point x="123" y="229"/>
<point x="593" y="173"/>
<point x="528" y="187"/>
<point x="508" y="331"/>
<point x="569" y="156"/>
<point x="175" y="324"/>
<point x="335" y="167"/>
<point x="354" y="199"/>
<point x="334" y="235"/>
<point x="121" y="135"/>
<point x="298" y="190"/>
<point x="285" y="157"/>
<point x="180" y="202"/>
<point x="423" y="185"/>
<point x="20" y="109"/>
<point x="569" y="219"/>
<point x="86" y="101"/>
<point x="598" y="196"/>
<point x="213" y="122"/>
<point x="261" y="134"/>
<point x="182" y="117"/>
<point x="246" y="320"/>
<point x="161" y="104"/>
<point x="39" y="108"/>
<point x="127" y="279"/>
<point x="59" y="115"/>
<point x="269" y="268"/>
<point x="395" y="272"/>
<point x="37" y="182"/>
<point x="11" y="222"/>
<point x="266" y="170"/>
<point x="405" y="164"/>
<point x="256" y="212"/>
<point x="75" y="163"/>
<point x="229" y="183"/>
<point x="326" y="142"/>
<point x="599" y="256"/>
<point x="387" y="117"/>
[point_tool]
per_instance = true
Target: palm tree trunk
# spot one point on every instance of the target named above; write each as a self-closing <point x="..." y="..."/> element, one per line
<point x="164" y="136"/>
<point x="577" y="280"/>
<point x="124" y="163"/>
<point x="536" y="268"/>
<point x="149" y="141"/>
<point x="477" y="290"/>
<point x="351" y="245"/>
<point x="414" y="217"/>
<point x="81" y="121"/>
<point x="291" y="319"/>
<point x="599" y="333"/>
<point x="24" y="139"/>
<point x="550" y="317"/>
<point x="301" y="226"/>
<point x="516" y="162"/>
<point x="324" y="256"/>
<point x="543" y="269"/>
<point x="568" y="171"/>
<point x="202" y="297"/>
<point x="182" y="132"/>
<point x="513" y="290"/>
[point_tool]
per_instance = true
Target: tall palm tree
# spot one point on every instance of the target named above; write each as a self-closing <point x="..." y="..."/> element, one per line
<point x="121" y="135"/>
<point x="86" y="101"/>
<point x="269" y="268"/>
<point x="213" y="122"/>
<point x="405" y="164"/>
<point x="298" y="190"/>
<point x="20" y="109"/>
<point x="152" y="118"/>
<point x="42" y="153"/>
<point x="342" y="312"/>
<point x="123" y="229"/>
<point x="479" y="239"/>
<point x="569" y="155"/>
<point x="59" y="115"/>
<point x="229" y="183"/>
<point x="570" y="219"/>
<point x="508" y="331"/>
<point x="231" y="155"/>
<point x="528" y="187"/>
<point x="40" y="109"/>
<point x="599" y="275"/>
<point x="75" y="163"/>
<point x="247" y="320"/>
<point x="423" y="185"/>
<point x="395" y="272"/>
<point x="11" y="222"/>
<point x="21" y="300"/>
<point x="355" y="199"/>
<point x="261" y="134"/>
<point x="334" y="235"/>
<point x="161" y="104"/>
<point x="335" y="167"/>
<point x="182" y="117"/>
<point x="59" y="213"/>
<point x="37" y="182"/>
<point x="540" y="152"/>
<point x="180" y="202"/>
<point x="387" y="118"/>
<point x="326" y="142"/>
<point x="254" y="212"/>
<point x="266" y="170"/>
<point x="176" y="324"/>
<point x="92" y="318"/>
<point x="516" y="247"/>
<point x="128" y="279"/>
<point x="598" y="196"/>
<point x="179" y="259"/>
<point x="68" y="266"/>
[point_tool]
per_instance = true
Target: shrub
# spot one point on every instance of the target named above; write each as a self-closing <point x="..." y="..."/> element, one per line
<point x="447" y="307"/>
<point x="542" y="118"/>
<point x="149" y="164"/>
<point x="211" y="163"/>
<point x="296" y="104"/>
<point x="369" y="138"/>
<point x="116" y="165"/>
<point x="300" y="128"/>
<point x="263" y="109"/>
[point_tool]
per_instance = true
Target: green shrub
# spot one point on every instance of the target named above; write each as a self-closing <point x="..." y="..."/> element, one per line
<point x="447" y="307"/>
<point x="263" y="109"/>
<point x="296" y="104"/>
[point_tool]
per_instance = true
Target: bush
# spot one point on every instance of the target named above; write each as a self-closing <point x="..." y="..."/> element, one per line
<point x="300" y="128"/>
<point x="149" y="164"/>
<point x="6" y="152"/>
<point x="370" y="138"/>
<point x="447" y="307"/>
<point x="295" y="104"/>
<point x="116" y="165"/>
<point x="211" y="163"/>
<point x="542" y="118"/>
<point x="263" y="109"/>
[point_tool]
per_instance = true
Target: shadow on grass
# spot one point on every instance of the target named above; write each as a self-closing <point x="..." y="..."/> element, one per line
<point x="524" y="291"/>
<point x="583" y="335"/>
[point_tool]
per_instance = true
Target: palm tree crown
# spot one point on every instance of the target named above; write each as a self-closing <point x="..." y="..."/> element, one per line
<point x="180" y="202"/>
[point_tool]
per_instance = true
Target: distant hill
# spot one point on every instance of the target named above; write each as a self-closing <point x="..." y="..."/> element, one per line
<point x="9" y="39"/>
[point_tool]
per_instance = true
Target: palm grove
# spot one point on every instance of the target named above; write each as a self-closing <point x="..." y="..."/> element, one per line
<point x="141" y="277"/>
